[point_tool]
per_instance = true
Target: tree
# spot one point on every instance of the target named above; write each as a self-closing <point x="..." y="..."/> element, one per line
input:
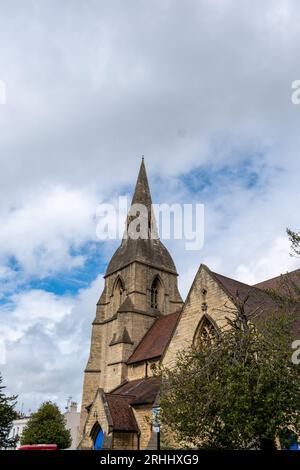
<point x="295" y="242"/>
<point x="7" y="415"/>
<point x="47" y="426"/>
<point x="238" y="391"/>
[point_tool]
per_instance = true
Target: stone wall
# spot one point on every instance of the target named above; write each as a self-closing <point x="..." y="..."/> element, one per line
<point x="143" y="416"/>
<point x="206" y="297"/>
<point x="125" y="441"/>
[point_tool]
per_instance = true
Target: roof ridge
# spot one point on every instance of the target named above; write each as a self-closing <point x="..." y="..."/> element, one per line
<point x="240" y="282"/>
<point x="120" y="394"/>
<point x="277" y="277"/>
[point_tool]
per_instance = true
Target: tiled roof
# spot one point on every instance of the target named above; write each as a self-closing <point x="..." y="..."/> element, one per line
<point x="280" y="282"/>
<point x="121" y="413"/>
<point x="258" y="300"/>
<point x="286" y="285"/>
<point x="156" y="339"/>
<point x="139" y="391"/>
<point x="121" y="400"/>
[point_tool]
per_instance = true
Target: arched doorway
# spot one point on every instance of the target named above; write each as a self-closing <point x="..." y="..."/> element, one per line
<point x="97" y="436"/>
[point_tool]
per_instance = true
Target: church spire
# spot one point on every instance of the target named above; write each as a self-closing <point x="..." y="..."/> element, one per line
<point x="142" y="194"/>
<point x="149" y="250"/>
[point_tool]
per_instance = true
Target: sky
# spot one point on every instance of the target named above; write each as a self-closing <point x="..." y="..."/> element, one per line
<point x="202" y="88"/>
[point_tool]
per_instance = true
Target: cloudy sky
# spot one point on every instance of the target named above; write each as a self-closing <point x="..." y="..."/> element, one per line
<point x="202" y="88"/>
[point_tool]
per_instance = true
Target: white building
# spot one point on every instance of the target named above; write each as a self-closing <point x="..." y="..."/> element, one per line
<point x="72" y="417"/>
<point x="18" y="427"/>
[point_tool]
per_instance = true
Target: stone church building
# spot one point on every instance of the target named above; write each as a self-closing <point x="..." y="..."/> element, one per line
<point x="141" y="320"/>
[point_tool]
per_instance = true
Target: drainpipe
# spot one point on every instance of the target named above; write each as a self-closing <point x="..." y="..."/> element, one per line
<point x="139" y="441"/>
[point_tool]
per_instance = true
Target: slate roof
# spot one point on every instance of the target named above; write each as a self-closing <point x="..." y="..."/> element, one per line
<point x="155" y="340"/>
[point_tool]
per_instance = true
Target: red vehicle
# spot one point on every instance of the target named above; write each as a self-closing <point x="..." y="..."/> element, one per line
<point x="39" y="447"/>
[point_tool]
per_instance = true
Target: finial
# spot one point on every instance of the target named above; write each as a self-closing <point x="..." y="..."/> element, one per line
<point x="142" y="157"/>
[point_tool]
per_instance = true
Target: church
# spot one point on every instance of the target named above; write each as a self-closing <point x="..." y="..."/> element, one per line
<point x="141" y="321"/>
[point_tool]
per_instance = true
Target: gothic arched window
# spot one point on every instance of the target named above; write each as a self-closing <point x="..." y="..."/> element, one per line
<point x="156" y="294"/>
<point x="205" y="333"/>
<point x="118" y="293"/>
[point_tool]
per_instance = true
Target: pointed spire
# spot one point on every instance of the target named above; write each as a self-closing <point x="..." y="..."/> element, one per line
<point x="148" y="249"/>
<point x="142" y="194"/>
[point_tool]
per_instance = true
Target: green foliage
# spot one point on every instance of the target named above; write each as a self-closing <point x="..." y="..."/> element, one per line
<point x="295" y="242"/>
<point x="239" y="391"/>
<point x="47" y="426"/>
<point x="7" y="415"/>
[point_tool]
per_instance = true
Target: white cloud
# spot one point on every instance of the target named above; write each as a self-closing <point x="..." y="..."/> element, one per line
<point x="40" y="306"/>
<point x="274" y="260"/>
<point x="47" y="342"/>
<point x="41" y="232"/>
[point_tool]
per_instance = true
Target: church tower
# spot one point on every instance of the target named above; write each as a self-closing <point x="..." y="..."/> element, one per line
<point x="140" y="286"/>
